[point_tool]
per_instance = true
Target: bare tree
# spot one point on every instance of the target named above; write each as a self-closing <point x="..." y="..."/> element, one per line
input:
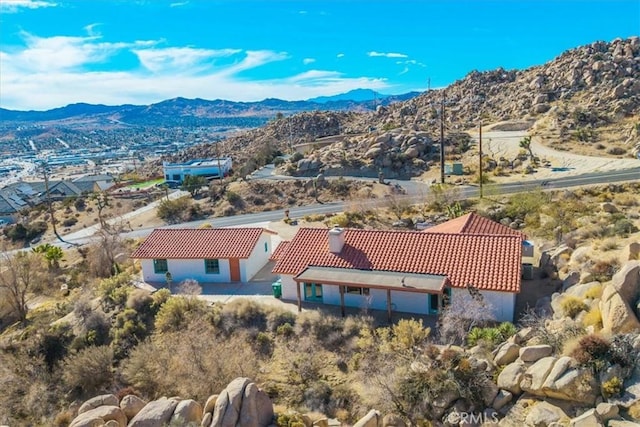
<point x="104" y="255"/>
<point x="460" y="316"/>
<point x="19" y="273"/>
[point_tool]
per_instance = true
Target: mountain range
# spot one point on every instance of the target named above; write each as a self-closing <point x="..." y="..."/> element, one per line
<point x="202" y="112"/>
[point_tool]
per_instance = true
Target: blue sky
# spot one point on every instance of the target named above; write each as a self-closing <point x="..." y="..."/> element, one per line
<point x="56" y="52"/>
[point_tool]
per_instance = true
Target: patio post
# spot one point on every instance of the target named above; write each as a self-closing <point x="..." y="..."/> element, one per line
<point x="299" y="297"/>
<point x="389" y="305"/>
<point x="341" y="300"/>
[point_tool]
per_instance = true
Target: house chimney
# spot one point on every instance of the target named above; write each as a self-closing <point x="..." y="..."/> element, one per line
<point x="336" y="239"/>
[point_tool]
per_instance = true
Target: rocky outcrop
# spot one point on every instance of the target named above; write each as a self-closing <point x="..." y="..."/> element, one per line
<point x="372" y="419"/>
<point x="103" y="400"/>
<point x="617" y="315"/>
<point x="99" y="416"/>
<point x="242" y="404"/>
<point x="544" y="414"/>
<point x="535" y="352"/>
<point x="131" y="405"/>
<point x="155" y="413"/>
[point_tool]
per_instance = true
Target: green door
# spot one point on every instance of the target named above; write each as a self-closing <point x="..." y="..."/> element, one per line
<point x="313" y="292"/>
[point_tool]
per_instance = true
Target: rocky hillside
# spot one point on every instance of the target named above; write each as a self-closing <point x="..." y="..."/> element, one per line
<point x="587" y="99"/>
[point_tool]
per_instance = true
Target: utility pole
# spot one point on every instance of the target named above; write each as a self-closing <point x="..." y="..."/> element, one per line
<point x="442" y="137"/>
<point x="218" y="156"/>
<point x="480" y="165"/>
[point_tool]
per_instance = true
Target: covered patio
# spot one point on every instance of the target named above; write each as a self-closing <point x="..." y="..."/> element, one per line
<point x="369" y="281"/>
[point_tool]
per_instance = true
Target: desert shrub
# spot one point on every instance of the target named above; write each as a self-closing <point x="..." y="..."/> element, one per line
<point x="114" y="291"/>
<point x="594" y="292"/>
<point x="612" y="388"/>
<point x="627" y="199"/>
<point x="296" y="157"/>
<point x="277" y="318"/>
<point x="593" y="318"/>
<point x="180" y="363"/>
<point x="592" y="351"/>
<point x="408" y="334"/>
<point x="572" y="306"/>
<point x="80" y="204"/>
<point x="234" y="198"/>
<point x="89" y="370"/>
<point x="623" y="227"/>
<point x="603" y="270"/>
<point x="242" y="314"/>
<point x="53" y="345"/>
<point x="63" y="419"/>
<point x="139" y="300"/>
<point x="285" y="330"/>
<point x="623" y="352"/>
<point x="555" y="338"/>
<point x="178" y="312"/>
<point x="290" y="420"/>
<point x="181" y="209"/>
<point x="68" y="222"/>
<point x="278" y="161"/>
<point x="127" y="331"/>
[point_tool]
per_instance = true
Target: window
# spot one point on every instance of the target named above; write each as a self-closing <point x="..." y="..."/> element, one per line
<point x="356" y="290"/>
<point x="211" y="266"/>
<point x="176" y="177"/>
<point x="166" y="177"/>
<point x="160" y="266"/>
<point x="266" y="247"/>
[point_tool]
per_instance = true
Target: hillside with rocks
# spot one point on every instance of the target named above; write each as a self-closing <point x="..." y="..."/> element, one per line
<point x="586" y="100"/>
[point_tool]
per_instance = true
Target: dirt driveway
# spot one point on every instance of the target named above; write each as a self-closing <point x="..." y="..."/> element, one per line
<point x="563" y="163"/>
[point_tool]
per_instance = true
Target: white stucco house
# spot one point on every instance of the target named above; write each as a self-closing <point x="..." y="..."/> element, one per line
<point x="214" y="255"/>
<point x="406" y="271"/>
<point x="209" y="168"/>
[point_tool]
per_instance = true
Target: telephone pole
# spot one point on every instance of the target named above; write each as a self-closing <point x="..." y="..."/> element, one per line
<point x="480" y="165"/>
<point x="442" y="137"/>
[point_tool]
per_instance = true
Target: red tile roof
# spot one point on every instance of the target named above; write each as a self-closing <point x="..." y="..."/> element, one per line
<point x="199" y="243"/>
<point x="473" y="223"/>
<point x="489" y="262"/>
<point x="280" y="249"/>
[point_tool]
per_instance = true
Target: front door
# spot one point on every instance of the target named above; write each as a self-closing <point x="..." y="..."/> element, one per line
<point x="234" y="269"/>
<point x="313" y="292"/>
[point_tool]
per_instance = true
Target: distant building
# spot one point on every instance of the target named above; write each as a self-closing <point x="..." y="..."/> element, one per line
<point x="175" y="172"/>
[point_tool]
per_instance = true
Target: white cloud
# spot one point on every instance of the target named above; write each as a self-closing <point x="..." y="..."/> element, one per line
<point x="373" y="53"/>
<point x="12" y="6"/>
<point x="307" y="61"/>
<point x="178" y="4"/>
<point x="179" y="59"/>
<point x="340" y="55"/>
<point x="63" y="52"/>
<point x="411" y="62"/>
<point x="62" y="70"/>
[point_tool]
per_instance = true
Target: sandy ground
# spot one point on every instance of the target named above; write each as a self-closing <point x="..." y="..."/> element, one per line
<point x="506" y="144"/>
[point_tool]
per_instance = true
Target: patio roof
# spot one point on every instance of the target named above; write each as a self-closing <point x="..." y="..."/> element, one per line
<point x="397" y="281"/>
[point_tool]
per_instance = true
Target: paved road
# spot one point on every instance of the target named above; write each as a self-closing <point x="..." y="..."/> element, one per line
<point x="416" y="192"/>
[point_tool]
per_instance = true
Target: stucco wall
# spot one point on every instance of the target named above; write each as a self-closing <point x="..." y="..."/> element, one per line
<point x="182" y="269"/>
<point x="502" y="303"/>
<point x="258" y="258"/>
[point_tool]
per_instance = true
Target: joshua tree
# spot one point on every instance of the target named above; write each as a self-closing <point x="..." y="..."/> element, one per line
<point x="525" y="143"/>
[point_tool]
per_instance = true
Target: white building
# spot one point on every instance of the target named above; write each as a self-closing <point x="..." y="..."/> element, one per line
<point x="214" y="255"/>
<point x="209" y="168"/>
<point x="405" y="271"/>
